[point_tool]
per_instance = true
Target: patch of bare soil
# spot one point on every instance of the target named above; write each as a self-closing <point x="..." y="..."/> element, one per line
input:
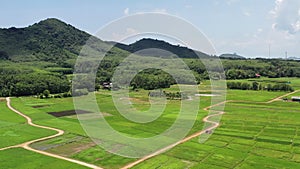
<point x="40" y="106"/>
<point x="83" y="147"/>
<point x="68" y="113"/>
<point x="69" y="149"/>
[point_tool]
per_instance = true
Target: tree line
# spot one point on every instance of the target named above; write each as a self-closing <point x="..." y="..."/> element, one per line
<point x="259" y="86"/>
<point x="169" y="95"/>
<point x="35" y="77"/>
<point x="32" y="84"/>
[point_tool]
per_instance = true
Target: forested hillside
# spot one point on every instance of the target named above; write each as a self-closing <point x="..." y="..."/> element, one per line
<point x="42" y="56"/>
<point x="147" y="43"/>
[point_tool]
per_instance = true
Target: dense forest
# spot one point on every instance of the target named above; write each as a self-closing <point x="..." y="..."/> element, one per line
<point x="42" y="57"/>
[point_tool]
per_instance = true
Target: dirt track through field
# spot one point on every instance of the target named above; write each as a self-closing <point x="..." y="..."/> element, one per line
<point x="26" y="145"/>
<point x="214" y="125"/>
<point x="280" y="97"/>
<point x="206" y="120"/>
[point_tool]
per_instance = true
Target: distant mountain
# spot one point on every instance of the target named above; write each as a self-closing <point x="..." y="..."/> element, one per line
<point x="232" y="56"/>
<point x="52" y="40"/>
<point x="49" y="40"/>
<point x="293" y="58"/>
<point x="166" y="49"/>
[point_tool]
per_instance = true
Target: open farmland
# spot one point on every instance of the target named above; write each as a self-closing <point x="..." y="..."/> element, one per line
<point x="14" y="129"/>
<point x="264" y="136"/>
<point x="150" y="85"/>
<point x="252" y="134"/>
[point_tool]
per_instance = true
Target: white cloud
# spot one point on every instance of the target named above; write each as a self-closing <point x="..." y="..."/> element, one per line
<point x="286" y="15"/>
<point x="296" y="26"/>
<point x="283" y="36"/>
<point x="257" y="43"/>
<point x="126" y="11"/>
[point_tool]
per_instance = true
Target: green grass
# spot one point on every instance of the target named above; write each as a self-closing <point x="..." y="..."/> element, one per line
<point x="21" y="158"/>
<point x="40" y="115"/>
<point x="98" y="156"/>
<point x="14" y="130"/>
<point x="72" y="127"/>
<point x="253" y="96"/>
<point x="294" y="82"/>
<point x="250" y="131"/>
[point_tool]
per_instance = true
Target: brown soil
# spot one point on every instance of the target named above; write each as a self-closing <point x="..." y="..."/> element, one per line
<point x="68" y="113"/>
<point x="40" y="106"/>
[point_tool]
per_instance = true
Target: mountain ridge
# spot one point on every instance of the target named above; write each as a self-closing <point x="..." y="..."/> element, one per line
<point x="167" y="49"/>
<point x="47" y="40"/>
<point x="53" y="40"/>
<point x="231" y="56"/>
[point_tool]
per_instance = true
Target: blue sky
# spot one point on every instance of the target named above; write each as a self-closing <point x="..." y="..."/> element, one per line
<point x="246" y="27"/>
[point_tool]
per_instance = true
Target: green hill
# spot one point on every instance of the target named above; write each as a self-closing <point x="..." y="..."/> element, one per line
<point x="49" y="40"/>
<point x="52" y="40"/>
<point x="42" y="56"/>
<point x="167" y="49"/>
<point x="231" y="56"/>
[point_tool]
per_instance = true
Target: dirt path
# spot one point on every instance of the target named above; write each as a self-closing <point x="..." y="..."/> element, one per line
<point x="206" y="119"/>
<point x="280" y="97"/>
<point x="26" y="145"/>
<point x="214" y="125"/>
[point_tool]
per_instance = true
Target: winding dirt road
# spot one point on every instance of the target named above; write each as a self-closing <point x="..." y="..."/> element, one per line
<point x="206" y="119"/>
<point x="26" y="145"/>
<point x="280" y="97"/>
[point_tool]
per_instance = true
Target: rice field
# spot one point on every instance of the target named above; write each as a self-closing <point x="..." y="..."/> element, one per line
<point x="252" y="134"/>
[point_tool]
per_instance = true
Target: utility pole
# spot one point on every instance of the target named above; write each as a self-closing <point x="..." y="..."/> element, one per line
<point x="286" y="55"/>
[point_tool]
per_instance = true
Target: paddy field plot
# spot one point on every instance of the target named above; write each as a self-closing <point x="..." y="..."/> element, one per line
<point x="252" y="134"/>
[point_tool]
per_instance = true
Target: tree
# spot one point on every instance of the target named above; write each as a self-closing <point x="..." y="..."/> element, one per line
<point x="231" y="74"/>
<point x="255" y="85"/>
<point x="152" y="79"/>
<point x="245" y="86"/>
<point x="269" y="87"/>
<point x="46" y="93"/>
<point x="260" y="87"/>
<point x="80" y="92"/>
<point x="4" y="55"/>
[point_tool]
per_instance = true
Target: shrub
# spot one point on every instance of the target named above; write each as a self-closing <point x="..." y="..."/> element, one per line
<point x="80" y="92"/>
